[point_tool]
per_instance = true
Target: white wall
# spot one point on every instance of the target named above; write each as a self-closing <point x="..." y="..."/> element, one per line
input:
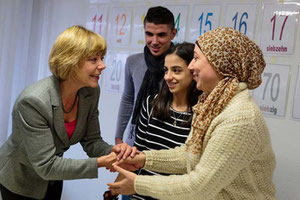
<point x="57" y="15"/>
<point x="285" y="132"/>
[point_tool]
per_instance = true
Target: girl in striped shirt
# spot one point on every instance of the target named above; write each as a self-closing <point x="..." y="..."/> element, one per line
<point x="165" y="118"/>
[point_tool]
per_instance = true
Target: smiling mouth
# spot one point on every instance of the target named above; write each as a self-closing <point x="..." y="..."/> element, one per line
<point x="95" y="76"/>
<point x="171" y="85"/>
<point x="155" y="49"/>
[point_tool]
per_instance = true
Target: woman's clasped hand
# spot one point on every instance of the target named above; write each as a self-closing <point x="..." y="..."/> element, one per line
<point x="118" y="152"/>
<point x="125" y="182"/>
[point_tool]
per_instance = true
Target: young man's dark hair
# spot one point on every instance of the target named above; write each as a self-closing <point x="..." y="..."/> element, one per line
<point x="160" y="15"/>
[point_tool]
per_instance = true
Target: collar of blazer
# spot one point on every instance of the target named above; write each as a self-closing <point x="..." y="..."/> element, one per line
<point x="56" y="96"/>
<point x="85" y="101"/>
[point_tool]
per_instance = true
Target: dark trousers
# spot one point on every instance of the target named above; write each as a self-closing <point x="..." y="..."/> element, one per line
<point x="54" y="191"/>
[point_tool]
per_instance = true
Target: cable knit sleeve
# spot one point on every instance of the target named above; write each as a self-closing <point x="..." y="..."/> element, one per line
<point x="170" y="161"/>
<point x="232" y="145"/>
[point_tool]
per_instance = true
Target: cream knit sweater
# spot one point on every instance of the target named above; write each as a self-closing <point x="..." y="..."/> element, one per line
<point x="237" y="160"/>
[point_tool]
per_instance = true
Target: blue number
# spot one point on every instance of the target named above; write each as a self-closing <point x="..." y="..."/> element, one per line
<point x="242" y="23"/>
<point x="207" y="22"/>
<point x="200" y="19"/>
<point x="235" y="19"/>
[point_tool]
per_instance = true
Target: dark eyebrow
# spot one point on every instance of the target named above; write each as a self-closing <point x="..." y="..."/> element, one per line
<point x="176" y="66"/>
<point x="162" y="33"/>
<point x="159" y="34"/>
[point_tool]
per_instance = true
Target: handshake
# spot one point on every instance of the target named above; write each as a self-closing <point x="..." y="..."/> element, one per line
<point x="123" y="159"/>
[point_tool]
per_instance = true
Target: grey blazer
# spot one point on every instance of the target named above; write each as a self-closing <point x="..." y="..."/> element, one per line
<point x="32" y="155"/>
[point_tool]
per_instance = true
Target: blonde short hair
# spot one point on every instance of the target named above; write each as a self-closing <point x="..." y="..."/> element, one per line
<point x="70" y="48"/>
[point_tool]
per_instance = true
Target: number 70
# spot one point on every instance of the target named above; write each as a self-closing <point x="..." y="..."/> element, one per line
<point x="274" y="78"/>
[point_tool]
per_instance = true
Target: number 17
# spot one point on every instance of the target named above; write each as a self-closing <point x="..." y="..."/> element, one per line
<point x="273" y="19"/>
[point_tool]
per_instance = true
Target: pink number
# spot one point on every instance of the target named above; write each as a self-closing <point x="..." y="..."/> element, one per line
<point x="283" y="24"/>
<point x="94" y="20"/>
<point x="100" y="21"/>
<point x="273" y="19"/>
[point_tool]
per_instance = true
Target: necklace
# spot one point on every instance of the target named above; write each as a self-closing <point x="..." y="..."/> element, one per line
<point x="73" y="105"/>
<point x="175" y="118"/>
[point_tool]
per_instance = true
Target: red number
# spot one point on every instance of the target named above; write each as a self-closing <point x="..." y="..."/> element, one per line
<point x="100" y="22"/>
<point x="123" y="18"/>
<point x="283" y="24"/>
<point x="124" y="21"/>
<point x="273" y="19"/>
<point x="94" y="20"/>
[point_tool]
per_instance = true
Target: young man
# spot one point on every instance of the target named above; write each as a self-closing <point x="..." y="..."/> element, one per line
<point x="144" y="71"/>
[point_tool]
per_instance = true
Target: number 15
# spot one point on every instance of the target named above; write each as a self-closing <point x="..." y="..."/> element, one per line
<point x="207" y="22"/>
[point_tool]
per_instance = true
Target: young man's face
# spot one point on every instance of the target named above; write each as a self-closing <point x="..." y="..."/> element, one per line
<point x="158" y="37"/>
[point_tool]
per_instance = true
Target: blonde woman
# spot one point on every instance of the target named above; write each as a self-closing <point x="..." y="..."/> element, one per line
<point x="54" y="113"/>
<point x="228" y="154"/>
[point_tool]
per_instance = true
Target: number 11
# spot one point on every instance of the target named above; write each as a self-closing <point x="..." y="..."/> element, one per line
<point x="99" y="20"/>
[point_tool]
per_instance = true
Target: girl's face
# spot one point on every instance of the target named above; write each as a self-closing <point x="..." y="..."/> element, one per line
<point x="90" y="70"/>
<point x="203" y="73"/>
<point x="177" y="75"/>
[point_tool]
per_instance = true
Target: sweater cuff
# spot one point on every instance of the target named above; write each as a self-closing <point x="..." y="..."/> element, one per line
<point x="149" y="159"/>
<point x="141" y="185"/>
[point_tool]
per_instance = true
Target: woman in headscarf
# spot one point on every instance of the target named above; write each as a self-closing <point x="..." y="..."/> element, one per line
<point x="228" y="154"/>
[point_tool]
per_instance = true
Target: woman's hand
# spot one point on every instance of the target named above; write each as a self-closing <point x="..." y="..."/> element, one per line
<point x="107" y="160"/>
<point x="125" y="184"/>
<point x="123" y="150"/>
<point x="133" y="163"/>
<point x="119" y="178"/>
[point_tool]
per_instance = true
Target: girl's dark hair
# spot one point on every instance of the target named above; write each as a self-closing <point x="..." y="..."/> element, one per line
<point x="162" y="103"/>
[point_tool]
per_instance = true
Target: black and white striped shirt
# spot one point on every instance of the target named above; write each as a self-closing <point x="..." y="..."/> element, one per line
<point x="156" y="134"/>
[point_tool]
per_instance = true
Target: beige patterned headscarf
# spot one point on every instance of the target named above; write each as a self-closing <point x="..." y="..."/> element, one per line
<point x="238" y="59"/>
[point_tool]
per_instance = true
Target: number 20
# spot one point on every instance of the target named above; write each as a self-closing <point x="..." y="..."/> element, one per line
<point x="116" y="73"/>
